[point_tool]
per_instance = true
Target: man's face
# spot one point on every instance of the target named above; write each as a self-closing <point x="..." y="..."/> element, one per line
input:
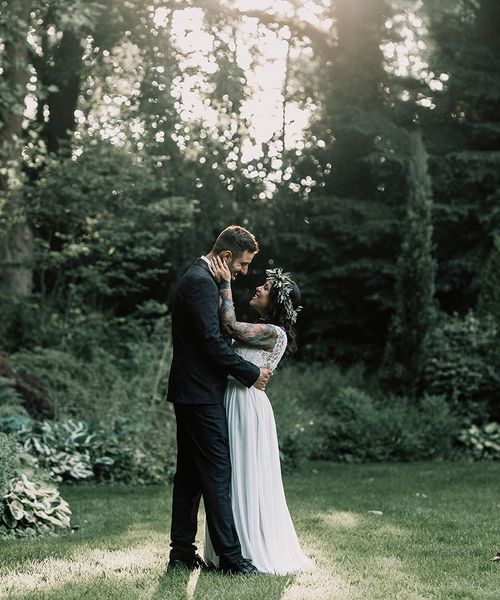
<point x="239" y="264"/>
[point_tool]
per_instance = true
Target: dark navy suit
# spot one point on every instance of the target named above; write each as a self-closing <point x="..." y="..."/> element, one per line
<point x="202" y="360"/>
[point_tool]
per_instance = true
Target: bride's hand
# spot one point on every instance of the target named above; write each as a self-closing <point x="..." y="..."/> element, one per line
<point x="220" y="270"/>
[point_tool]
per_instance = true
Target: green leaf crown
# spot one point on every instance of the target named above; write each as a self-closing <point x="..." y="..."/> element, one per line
<point x="284" y="285"/>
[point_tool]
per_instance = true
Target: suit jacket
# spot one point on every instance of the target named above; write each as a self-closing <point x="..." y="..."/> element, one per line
<point x="202" y="354"/>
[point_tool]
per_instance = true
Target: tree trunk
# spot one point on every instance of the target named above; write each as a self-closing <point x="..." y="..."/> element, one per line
<point x="16" y="240"/>
<point x="63" y="72"/>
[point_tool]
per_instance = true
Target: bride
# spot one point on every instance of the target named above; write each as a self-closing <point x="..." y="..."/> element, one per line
<point x="261" y="515"/>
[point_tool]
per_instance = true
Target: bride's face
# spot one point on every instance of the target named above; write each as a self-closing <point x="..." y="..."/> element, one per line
<point x="260" y="300"/>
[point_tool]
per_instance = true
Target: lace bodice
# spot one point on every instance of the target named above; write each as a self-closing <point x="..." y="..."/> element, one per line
<point x="264" y="358"/>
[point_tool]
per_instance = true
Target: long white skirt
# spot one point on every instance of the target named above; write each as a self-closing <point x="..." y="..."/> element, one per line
<point x="261" y="515"/>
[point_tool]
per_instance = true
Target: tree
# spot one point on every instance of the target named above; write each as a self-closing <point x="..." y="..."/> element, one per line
<point x="15" y="234"/>
<point x="414" y="316"/>
<point x="489" y="297"/>
<point x="464" y="137"/>
<point x="337" y="217"/>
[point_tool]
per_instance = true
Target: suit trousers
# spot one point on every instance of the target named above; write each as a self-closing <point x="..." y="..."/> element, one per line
<point x="203" y="469"/>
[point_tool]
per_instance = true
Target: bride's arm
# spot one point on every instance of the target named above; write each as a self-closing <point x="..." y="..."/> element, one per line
<point x="259" y="335"/>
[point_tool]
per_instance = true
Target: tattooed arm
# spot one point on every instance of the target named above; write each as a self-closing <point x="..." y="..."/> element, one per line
<point x="259" y="335"/>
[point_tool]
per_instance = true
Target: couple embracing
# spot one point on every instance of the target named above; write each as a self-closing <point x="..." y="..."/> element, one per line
<point x="227" y="446"/>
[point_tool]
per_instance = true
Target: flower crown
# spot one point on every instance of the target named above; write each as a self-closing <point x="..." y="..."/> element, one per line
<point x="284" y="285"/>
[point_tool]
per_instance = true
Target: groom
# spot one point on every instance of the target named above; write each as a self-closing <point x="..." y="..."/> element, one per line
<point x="202" y="360"/>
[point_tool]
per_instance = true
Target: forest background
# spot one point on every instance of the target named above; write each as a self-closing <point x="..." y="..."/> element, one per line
<point x="358" y="139"/>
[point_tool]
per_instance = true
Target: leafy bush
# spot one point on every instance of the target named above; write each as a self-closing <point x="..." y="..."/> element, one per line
<point x="108" y="229"/>
<point x="26" y="322"/>
<point x="293" y="390"/>
<point x="63" y="449"/>
<point x="106" y="370"/>
<point x="10" y="400"/>
<point x="358" y="428"/>
<point x="464" y="364"/>
<point x="8" y="459"/>
<point x="115" y="374"/>
<point x="32" y="508"/>
<point x="75" y="386"/>
<point x="322" y="412"/>
<point x="296" y="392"/>
<point x="27" y="507"/>
<point x="75" y="451"/>
<point x="482" y="442"/>
<point x="133" y="453"/>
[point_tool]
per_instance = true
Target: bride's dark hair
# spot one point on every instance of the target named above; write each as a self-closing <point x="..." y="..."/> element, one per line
<point x="276" y="315"/>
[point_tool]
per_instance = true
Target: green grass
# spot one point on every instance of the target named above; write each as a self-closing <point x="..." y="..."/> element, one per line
<point x="439" y="528"/>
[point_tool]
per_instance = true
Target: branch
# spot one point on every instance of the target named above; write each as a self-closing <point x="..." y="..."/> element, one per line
<point x="321" y="40"/>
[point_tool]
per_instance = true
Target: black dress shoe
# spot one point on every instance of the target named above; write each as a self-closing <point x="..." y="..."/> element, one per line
<point x="242" y="567"/>
<point x="195" y="563"/>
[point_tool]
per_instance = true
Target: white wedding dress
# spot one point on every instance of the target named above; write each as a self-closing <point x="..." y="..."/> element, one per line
<point x="261" y="515"/>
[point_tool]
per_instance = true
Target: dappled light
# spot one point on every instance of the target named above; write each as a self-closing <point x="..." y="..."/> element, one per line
<point x="340" y="519"/>
<point x="86" y="565"/>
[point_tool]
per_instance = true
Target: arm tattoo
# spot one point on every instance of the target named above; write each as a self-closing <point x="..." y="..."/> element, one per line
<point x="259" y="335"/>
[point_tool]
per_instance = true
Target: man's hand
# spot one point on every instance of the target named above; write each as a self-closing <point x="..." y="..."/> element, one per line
<point x="261" y="382"/>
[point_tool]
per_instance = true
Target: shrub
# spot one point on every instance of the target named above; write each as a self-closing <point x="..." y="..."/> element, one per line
<point x="482" y="442"/>
<point x="296" y="392"/>
<point x="34" y="508"/>
<point x="108" y="376"/>
<point x="109" y="232"/>
<point x="27" y="322"/>
<point x="62" y="449"/>
<point x="464" y="364"/>
<point x="8" y="461"/>
<point x="323" y="412"/>
<point x="27" y="507"/>
<point x="75" y="451"/>
<point x="133" y="453"/>
<point x="10" y="400"/>
<point x="75" y="386"/>
<point x="358" y="428"/>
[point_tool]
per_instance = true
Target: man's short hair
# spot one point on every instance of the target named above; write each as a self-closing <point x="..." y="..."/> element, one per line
<point x="237" y="239"/>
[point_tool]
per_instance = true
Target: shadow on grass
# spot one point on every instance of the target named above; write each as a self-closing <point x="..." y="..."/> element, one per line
<point x="213" y="586"/>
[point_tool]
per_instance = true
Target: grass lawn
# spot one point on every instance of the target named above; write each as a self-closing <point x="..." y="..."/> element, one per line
<point x="439" y="528"/>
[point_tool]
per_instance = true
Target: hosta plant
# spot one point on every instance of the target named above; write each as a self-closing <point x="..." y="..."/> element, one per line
<point x="62" y="448"/>
<point x="482" y="442"/>
<point x="33" y="508"/>
<point x="76" y="451"/>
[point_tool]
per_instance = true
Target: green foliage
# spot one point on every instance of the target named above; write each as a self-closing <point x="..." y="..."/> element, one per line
<point x="75" y="385"/>
<point x="464" y="132"/>
<point x="75" y="451"/>
<point x="358" y="428"/>
<point x="482" y="442"/>
<point x="33" y="508"/>
<point x="489" y="296"/>
<point x="10" y="400"/>
<point x="21" y="324"/>
<point x="463" y="364"/>
<point x="415" y="273"/>
<point x="135" y="453"/>
<point x="8" y="463"/>
<point x="104" y="369"/>
<point x="112" y="379"/>
<point x="62" y="449"/>
<point x="292" y="391"/>
<point x="322" y="412"/>
<point x="109" y="230"/>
